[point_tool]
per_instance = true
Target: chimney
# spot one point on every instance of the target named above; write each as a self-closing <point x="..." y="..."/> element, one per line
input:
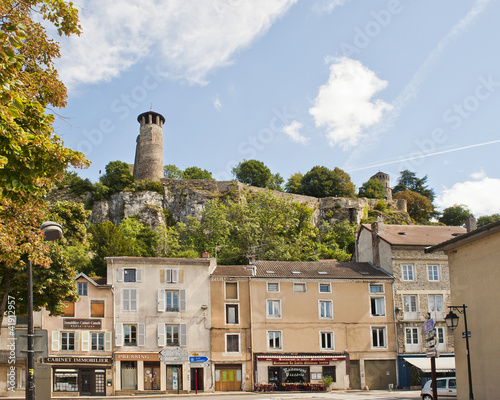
<point x="206" y="255"/>
<point x="377" y="227"/>
<point x="470" y="223"/>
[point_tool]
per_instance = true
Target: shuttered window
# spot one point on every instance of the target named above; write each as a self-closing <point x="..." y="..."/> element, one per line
<point x="69" y="309"/>
<point x="97" y="308"/>
<point x="231" y="290"/>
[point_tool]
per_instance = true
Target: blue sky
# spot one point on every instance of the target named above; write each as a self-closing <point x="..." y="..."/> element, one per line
<point x="360" y="85"/>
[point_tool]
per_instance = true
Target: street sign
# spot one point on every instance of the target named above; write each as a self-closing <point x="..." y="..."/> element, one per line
<point x="431" y="343"/>
<point x="173" y="352"/>
<point x="198" y="359"/>
<point x="431" y="353"/>
<point x="175" y="360"/>
<point x="198" y="365"/>
<point x="430" y="335"/>
<point x="463" y="334"/>
<point x="429" y="325"/>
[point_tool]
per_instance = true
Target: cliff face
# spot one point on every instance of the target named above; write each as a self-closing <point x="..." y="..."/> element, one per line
<point x="185" y="198"/>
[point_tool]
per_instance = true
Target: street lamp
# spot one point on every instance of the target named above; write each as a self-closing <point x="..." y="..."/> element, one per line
<point x="452" y="322"/>
<point x="51" y="231"/>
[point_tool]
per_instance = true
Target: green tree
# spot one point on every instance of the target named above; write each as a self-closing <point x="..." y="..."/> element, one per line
<point x="419" y="207"/>
<point x="455" y="215"/>
<point x="294" y="183"/>
<point x="172" y="172"/>
<point x="142" y="240"/>
<point x="197" y="173"/>
<point x="487" y="219"/>
<point x="117" y="176"/>
<point x="336" y="241"/>
<point x="322" y="182"/>
<point x="373" y="189"/>
<point x="408" y="181"/>
<point x="256" y="173"/>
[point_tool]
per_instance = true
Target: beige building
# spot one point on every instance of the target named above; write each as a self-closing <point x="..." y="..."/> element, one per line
<point x="307" y="320"/>
<point x="161" y="304"/>
<point x="421" y="290"/>
<point x="475" y="280"/>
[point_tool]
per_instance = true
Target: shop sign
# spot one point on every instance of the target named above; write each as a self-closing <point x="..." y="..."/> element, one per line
<point x="291" y="362"/>
<point x="137" y="357"/>
<point x="76" y="360"/>
<point x="299" y="360"/>
<point x="81" y="324"/>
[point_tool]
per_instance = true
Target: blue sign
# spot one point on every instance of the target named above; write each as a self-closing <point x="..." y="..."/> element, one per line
<point x="198" y="359"/>
<point x="463" y="334"/>
<point x="429" y="325"/>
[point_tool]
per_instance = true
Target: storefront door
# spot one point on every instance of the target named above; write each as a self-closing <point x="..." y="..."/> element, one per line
<point x="100" y="382"/>
<point x="228" y="378"/>
<point x="197" y="379"/>
<point x="86" y="383"/>
<point x="152" y="375"/>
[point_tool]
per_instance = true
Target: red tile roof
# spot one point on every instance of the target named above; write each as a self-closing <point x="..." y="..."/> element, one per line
<point x="418" y="235"/>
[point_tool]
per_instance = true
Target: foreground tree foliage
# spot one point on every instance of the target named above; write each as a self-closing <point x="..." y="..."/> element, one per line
<point x="487" y="219"/>
<point x="32" y="157"/>
<point x="455" y="215"/>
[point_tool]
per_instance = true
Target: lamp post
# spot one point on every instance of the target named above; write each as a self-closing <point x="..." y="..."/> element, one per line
<point x="452" y="322"/>
<point x="51" y="231"/>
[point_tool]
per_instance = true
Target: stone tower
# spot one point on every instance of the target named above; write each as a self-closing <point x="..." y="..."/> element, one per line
<point x="149" y="150"/>
<point x="384" y="179"/>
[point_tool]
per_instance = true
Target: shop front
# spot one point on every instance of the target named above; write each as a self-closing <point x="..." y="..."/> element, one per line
<point x="294" y="372"/>
<point x="81" y="376"/>
<point x="228" y="377"/>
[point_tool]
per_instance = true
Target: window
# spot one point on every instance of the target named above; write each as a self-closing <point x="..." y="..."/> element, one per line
<point x="325" y="288"/>
<point x="411" y="336"/>
<point x="440" y="335"/>
<point x="65" y="380"/>
<point x="273" y="309"/>
<point x="325" y="309"/>
<point x="67" y="340"/>
<point x="82" y="288"/>
<point x="232" y="316"/>
<point x="433" y="272"/>
<point x="231" y="290"/>
<point x="377" y="306"/>
<point x="129" y="275"/>
<point x="171" y="275"/>
<point x="97" y="341"/>
<point x="330" y="371"/>
<point x="172" y="300"/>
<point x="232" y="343"/>
<point x="376" y="288"/>
<point x="130" y="335"/>
<point x="378" y="337"/>
<point x="299" y="287"/>
<point x="273" y="287"/>
<point x="410" y="303"/>
<point x="326" y="341"/>
<point x="274" y="340"/>
<point x="129" y="299"/>
<point x="97" y="308"/>
<point x="69" y="309"/>
<point x="435" y="302"/>
<point x="172" y="332"/>
<point x="407" y="272"/>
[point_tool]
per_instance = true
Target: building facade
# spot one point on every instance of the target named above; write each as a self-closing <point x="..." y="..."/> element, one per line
<point x="421" y="290"/>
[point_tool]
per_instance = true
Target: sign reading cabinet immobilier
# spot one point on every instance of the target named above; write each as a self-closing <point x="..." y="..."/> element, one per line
<point x="81" y="324"/>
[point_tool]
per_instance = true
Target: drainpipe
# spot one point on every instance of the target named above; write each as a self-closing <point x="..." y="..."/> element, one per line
<point x="395" y="332"/>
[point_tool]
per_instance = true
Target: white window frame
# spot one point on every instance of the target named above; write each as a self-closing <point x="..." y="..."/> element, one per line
<point x="128" y="304"/>
<point x="299" y="284"/>
<point x="172" y="275"/>
<point x="239" y="343"/>
<point x="275" y="333"/>
<point x="376" y="285"/>
<point x="410" y="314"/>
<point x="273" y="283"/>
<point x="328" y="285"/>
<point x="435" y="296"/>
<point x="405" y="272"/>
<point x="332" y="338"/>
<point x="237" y="290"/>
<point x="273" y="314"/>
<point x="237" y="306"/>
<point x="433" y="272"/>
<point x="374" y="313"/>
<point x="84" y="287"/>
<point x="412" y="330"/>
<point x="67" y="339"/>
<point x="320" y="308"/>
<point x="441" y="345"/>
<point x="98" y="337"/>
<point x="384" y="332"/>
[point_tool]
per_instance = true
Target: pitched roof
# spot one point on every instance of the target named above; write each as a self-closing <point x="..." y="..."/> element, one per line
<point x="417" y="235"/>
<point x="96" y="281"/>
<point x="324" y="269"/>
<point x="233" y="270"/>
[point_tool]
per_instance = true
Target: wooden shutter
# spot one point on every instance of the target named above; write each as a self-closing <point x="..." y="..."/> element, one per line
<point x="138" y="275"/>
<point x="231" y="290"/>
<point x="141" y="334"/>
<point x="175" y="275"/>
<point x="119" y="275"/>
<point x="69" y="309"/>
<point x="119" y="334"/>
<point x="182" y="300"/>
<point x="181" y="276"/>
<point x="161" y="335"/>
<point x="85" y="341"/>
<point x="97" y="308"/>
<point x="125" y="299"/>
<point x="168" y="275"/>
<point x="161" y="300"/>
<point x="134" y="299"/>
<point x="107" y="341"/>
<point x="56" y="342"/>
<point x="77" y="341"/>
<point x="183" y="335"/>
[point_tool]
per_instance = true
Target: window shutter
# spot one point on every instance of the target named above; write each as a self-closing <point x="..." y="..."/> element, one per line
<point x="161" y="300"/>
<point x="168" y="275"/>
<point x="175" y="275"/>
<point x="162" y="275"/>
<point x="138" y="275"/>
<point x="119" y="334"/>
<point x="77" y="341"/>
<point x="125" y="299"/>
<point x="182" y="300"/>
<point x="85" y="340"/>
<point x="181" y="276"/>
<point x="119" y="274"/>
<point x="134" y="299"/>
<point x="107" y="341"/>
<point x="161" y="335"/>
<point x="183" y="335"/>
<point x="56" y="340"/>
<point x="141" y="334"/>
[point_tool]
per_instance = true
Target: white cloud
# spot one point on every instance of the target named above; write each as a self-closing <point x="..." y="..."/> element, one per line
<point x="217" y="104"/>
<point x="183" y="39"/>
<point x="293" y="131"/>
<point x="327" y="5"/>
<point x="344" y="106"/>
<point x="480" y="196"/>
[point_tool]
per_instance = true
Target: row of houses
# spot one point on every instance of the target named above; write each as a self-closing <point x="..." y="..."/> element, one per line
<point x="270" y="324"/>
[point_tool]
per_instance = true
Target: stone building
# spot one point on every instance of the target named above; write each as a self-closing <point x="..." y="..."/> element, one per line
<point x="385" y="180"/>
<point x="421" y="290"/>
<point x="148" y="163"/>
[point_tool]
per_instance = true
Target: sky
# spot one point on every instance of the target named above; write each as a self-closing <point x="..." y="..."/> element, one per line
<point x="365" y="86"/>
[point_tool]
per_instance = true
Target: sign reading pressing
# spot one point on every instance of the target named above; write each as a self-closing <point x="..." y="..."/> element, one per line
<point x="82" y="324"/>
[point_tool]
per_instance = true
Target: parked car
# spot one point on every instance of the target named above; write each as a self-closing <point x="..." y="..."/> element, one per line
<point x="446" y="389"/>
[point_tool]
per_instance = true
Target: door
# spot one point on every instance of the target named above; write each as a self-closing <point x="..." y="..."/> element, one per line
<point x="197" y="379"/>
<point x="228" y="379"/>
<point x="100" y="383"/>
<point x="86" y="383"/>
<point x="151" y="375"/>
<point x="354" y="375"/>
<point x="274" y="377"/>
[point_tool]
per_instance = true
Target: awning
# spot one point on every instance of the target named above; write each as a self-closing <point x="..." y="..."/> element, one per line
<point x="443" y="364"/>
